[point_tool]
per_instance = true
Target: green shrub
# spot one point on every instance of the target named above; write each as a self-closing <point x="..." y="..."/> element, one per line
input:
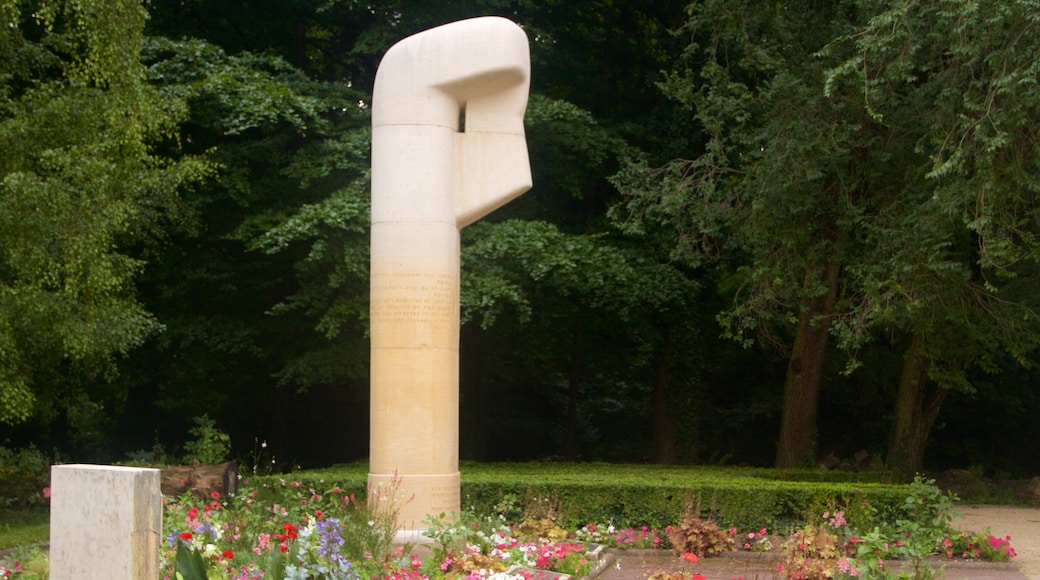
<point x="657" y="496"/>
<point x="210" y="446"/>
<point x="701" y="537"/>
<point x="24" y="473"/>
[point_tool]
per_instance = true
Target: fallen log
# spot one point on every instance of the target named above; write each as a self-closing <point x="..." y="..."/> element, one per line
<point x="201" y="480"/>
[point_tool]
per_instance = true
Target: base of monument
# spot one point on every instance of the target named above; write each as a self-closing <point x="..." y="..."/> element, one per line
<point x="417" y="496"/>
<point x="412" y="538"/>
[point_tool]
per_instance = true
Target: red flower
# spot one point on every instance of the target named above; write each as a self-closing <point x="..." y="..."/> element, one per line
<point x="697" y="577"/>
<point x="690" y="557"/>
<point x="283" y="547"/>
<point x="228" y="554"/>
<point x="186" y="536"/>
<point x="319" y="514"/>
<point x="214" y="494"/>
<point x="288" y="527"/>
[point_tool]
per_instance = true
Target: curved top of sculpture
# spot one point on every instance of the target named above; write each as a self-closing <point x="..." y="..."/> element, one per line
<point x="430" y="77"/>
<point x="448" y="106"/>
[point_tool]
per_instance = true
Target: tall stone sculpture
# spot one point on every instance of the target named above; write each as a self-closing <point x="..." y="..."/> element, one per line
<point x="448" y="147"/>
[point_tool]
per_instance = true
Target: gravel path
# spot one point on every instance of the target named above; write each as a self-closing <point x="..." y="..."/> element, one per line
<point x="1022" y="524"/>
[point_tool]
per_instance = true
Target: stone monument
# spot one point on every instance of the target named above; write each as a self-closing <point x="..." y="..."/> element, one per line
<point x="448" y="147"/>
<point x="106" y="522"/>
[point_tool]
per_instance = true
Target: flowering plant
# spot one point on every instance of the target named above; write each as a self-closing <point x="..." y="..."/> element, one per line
<point x="471" y="547"/>
<point x="687" y="557"/>
<point x="291" y="531"/>
<point x="641" y="538"/>
<point x="754" y="541"/>
<point x="972" y="546"/>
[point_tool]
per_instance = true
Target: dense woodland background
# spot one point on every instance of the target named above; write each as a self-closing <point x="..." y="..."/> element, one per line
<point x="760" y="233"/>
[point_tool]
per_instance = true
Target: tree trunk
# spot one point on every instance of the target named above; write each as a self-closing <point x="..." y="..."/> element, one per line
<point x="473" y="395"/>
<point x="570" y="451"/>
<point x="917" y="406"/>
<point x="665" y="449"/>
<point x="805" y="373"/>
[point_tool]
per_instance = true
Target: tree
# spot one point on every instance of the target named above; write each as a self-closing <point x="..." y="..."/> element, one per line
<point x="83" y="198"/>
<point x="264" y="300"/>
<point x="960" y="80"/>
<point x="775" y="189"/>
<point x="853" y="207"/>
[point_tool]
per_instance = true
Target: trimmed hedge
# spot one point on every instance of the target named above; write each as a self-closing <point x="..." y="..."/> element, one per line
<point x="653" y="495"/>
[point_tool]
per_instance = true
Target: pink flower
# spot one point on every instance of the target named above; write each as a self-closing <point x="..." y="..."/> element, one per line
<point x="47" y="494"/>
<point x="215" y="494"/>
<point x="263" y="542"/>
<point x="690" y="557"/>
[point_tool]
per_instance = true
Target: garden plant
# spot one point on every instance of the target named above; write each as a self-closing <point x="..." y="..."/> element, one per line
<point x="284" y="528"/>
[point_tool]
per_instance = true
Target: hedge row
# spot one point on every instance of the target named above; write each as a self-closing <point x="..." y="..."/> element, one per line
<point x="651" y="495"/>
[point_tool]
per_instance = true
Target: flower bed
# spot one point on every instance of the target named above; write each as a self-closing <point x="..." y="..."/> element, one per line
<point x="288" y="530"/>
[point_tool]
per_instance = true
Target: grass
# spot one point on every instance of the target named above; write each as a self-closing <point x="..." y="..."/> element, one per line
<point x="23" y="527"/>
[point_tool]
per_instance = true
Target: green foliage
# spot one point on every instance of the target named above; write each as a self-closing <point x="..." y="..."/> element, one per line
<point x="210" y="445"/>
<point x="654" y="495"/>
<point x="284" y="228"/>
<point x="883" y="141"/>
<point x="79" y="188"/>
<point x="31" y="562"/>
<point x="843" y="546"/>
<point x="189" y="564"/>
<point x="297" y="528"/>
<point x="506" y="262"/>
<point x="24" y="473"/>
<point x="700" y="537"/>
<point x="811" y="552"/>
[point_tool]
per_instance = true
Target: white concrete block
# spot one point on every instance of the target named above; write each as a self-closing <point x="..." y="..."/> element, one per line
<point x="106" y="523"/>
